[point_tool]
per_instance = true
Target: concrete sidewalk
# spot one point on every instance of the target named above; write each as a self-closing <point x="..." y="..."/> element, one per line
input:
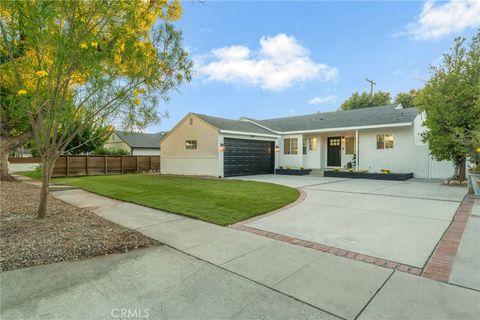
<point x="335" y="285"/>
<point x="153" y="283"/>
<point x="466" y="267"/>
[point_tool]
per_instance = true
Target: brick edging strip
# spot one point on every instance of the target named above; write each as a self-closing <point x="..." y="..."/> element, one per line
<point x="440" y="263"/>
<point x="332" y="250"/>
<point x="438" y="267"/>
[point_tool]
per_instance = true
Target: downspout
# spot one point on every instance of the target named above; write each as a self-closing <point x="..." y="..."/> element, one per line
<point x="429" y="162"/>
<point x="357" y="162"/>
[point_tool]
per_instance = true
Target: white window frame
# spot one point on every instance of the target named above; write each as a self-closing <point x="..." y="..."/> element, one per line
<point x="191" y="144"/>
<point x="312" y="143"/>
<point x="289" y="144"/>
<point x="385" y="143"/>
<point x="346" y="149"/>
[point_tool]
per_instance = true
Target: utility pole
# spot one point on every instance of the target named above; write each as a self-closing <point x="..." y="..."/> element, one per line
<point x="372" y="83"/>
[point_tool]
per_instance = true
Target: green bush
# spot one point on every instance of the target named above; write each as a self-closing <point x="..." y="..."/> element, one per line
<point x="110" y="152"/>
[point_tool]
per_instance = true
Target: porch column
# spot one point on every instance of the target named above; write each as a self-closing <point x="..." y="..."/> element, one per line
<point x="356" y="150"/>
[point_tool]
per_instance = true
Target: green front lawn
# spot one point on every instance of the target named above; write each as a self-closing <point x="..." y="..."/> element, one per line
<point x="218" y="201"/>
<point x="35" y="174"/>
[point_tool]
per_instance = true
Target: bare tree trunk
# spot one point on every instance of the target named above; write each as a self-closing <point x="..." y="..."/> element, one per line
<point x="7" y="145"/>
<point x="4" y="175"/>
<point x="461" y="170"/>
<point x="46" y="175"/>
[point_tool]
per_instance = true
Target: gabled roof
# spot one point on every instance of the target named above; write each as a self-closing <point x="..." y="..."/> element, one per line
<point x="382" y="115"/>
<point x="141" y="140"/>
<point x="233" y="125"/>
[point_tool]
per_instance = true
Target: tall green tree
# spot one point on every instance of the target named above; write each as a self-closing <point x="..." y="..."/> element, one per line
<point x="364" y="100"/>
<point x="451" y="100"/>
<point x="92" y="136"/>
<point x="406" y="99"/>
<point x="108" y="61"/>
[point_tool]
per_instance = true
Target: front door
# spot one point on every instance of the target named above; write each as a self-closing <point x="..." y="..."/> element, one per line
<point x="334" y="152"/>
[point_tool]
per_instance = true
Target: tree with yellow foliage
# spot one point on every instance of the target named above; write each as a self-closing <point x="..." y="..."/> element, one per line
<point x="106" y="61"/>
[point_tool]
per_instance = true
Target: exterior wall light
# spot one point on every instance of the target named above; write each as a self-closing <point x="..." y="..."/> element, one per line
<point x="277" y="149"/>
<point x="221" y="148"/>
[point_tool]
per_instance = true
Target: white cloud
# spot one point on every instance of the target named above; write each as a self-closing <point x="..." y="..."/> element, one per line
<point x="278" y="64"/>
<point x="436" y="21"/>
<point x="323" y="100"/>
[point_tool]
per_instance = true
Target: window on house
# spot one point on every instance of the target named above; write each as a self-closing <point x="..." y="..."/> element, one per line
<point x="305" y="145"/>
<point x="384" y="141"/>
<point x="190" y="144"/>
<point x="388" y="141"/>
<point x="349" y="145"/>
<point x="191" y="121"/>
<point x="334" y="141"/>
<point x="290" y="146"/>
<point x="312" y="144"/>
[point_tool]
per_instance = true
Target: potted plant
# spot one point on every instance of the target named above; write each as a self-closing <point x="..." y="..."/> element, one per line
<point x="475" y="172"/>
<point x="475" y="179"/>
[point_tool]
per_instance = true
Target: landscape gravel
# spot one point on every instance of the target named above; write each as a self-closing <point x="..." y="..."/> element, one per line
<point x="66" y="233"/>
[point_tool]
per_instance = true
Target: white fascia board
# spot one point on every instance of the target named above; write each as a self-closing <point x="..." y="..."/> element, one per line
<point x="250" y="134"/>
<point x="402" y="124"/>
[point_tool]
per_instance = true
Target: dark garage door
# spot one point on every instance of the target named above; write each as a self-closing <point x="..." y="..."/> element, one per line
<point x="245" y="157"/>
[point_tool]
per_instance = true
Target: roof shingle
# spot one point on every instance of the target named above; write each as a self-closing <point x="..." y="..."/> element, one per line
<point x="381" y="115"/>
<point x="341" y="119"/>
<point x="141" y="140"/>
<point x="233" y="125"/>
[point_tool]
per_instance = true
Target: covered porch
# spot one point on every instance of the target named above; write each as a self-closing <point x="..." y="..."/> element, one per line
<point x="325" y="150"/>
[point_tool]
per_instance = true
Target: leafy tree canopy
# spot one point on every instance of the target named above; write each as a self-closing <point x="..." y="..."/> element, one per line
<point x="451" y="99"/>
<point x="364" y="100"/>
<point x="103" y="61"/>
<point x="91" y="137"/>
<point x="406" y="99"/>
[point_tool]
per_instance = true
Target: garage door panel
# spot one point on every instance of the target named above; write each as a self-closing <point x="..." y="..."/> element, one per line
<point x="247" y="157"/>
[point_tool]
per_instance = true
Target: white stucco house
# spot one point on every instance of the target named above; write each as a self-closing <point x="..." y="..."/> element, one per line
<point x="135" y="143"/>
<point x="376" y="138"/>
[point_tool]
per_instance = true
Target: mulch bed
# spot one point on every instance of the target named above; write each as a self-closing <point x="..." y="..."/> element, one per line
<point x="67" y="233"/>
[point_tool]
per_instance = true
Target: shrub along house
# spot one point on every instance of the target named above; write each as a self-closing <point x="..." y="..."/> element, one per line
<point x="136" y="143"/>
<point x="385" y="137"/>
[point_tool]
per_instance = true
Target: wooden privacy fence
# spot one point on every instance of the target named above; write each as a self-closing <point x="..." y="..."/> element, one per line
<point x="25" y="160"/>
<point x="95" y="165"/>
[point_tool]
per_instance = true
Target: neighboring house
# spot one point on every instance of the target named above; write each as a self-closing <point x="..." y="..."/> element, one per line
<point x="385" y="137"/>
<point x="137" y="144"/>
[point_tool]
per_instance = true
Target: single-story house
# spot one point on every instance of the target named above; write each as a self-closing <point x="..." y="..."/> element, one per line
<point x="376" y="138"/>
<point x="136" y="143"/>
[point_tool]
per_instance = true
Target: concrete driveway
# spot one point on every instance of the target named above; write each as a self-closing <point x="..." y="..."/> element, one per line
<point x="397" y="221"/>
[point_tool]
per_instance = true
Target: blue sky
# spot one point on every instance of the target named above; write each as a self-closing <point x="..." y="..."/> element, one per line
<point x="272" y="59"/>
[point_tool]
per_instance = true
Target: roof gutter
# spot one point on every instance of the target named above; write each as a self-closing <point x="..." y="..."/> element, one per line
<point x="377" y="126"/>
<point x="401" y="124"/>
